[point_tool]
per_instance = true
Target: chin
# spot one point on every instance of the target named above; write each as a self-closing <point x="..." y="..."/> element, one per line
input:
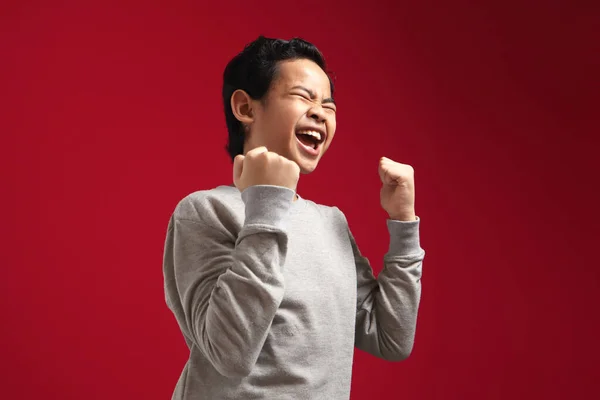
<point x="306" y="164"/>
<point x="306" y="167"/>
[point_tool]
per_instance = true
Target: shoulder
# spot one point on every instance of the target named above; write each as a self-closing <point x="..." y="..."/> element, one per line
<point x="216" y="207"/>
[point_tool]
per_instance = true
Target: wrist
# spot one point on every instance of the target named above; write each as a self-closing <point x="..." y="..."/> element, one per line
<point x="407" y="216"/>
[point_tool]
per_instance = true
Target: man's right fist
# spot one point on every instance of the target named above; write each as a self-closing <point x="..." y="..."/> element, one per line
<point x="262" y="167"/>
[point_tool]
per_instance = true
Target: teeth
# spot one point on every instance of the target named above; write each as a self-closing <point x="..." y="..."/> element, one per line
<point x="314" y="134"/>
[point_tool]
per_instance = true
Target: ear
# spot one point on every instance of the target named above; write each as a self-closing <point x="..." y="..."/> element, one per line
<point x="241" y="105"/>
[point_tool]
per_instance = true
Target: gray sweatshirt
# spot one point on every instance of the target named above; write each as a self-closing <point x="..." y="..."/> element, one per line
<point x="272" y="295"/>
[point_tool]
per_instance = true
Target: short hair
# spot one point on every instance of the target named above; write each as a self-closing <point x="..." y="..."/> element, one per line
<point x="253" y="71"/>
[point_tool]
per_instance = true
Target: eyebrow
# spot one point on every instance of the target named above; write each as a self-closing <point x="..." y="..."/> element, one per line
<point x="313" y="96"/>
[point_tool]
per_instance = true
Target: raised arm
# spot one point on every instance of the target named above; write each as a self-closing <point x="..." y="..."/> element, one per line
<point x="387" y="307"/>
<point x="223" y="290"/>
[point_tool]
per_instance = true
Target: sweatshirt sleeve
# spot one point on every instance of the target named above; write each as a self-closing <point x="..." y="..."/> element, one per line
<point x="387" y="306"/>
<point x="225" y="290"/>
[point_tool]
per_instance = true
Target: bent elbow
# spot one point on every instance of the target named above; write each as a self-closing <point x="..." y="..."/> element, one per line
<point x="398" y="351"/>
<point x="228" y="358"/>
<point x="398" y="355"/>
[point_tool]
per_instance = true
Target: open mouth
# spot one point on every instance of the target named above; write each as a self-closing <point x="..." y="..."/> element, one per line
<point x="310" y="138"/>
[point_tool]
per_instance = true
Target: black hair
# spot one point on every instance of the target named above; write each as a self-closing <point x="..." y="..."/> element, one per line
<point x="253" y="70"/>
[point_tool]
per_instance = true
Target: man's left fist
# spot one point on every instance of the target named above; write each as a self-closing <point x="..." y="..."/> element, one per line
<point x="398" y="190"/>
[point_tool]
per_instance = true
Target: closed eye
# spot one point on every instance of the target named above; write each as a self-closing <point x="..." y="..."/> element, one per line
<point x="328" y="105"/>
<point x="305" y="97"/>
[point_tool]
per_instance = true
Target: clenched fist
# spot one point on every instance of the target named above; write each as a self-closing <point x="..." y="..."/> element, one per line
<point x="398" y="190"/>
<point x="262" y="167"/>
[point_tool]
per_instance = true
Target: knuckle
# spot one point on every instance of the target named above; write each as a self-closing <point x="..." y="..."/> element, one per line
<point x="271" y="157"/>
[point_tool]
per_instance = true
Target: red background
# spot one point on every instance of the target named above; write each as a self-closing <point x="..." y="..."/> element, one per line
<point x="111" y="113"/>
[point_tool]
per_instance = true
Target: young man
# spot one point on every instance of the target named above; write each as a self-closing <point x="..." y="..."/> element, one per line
<point x="269" y="289"/>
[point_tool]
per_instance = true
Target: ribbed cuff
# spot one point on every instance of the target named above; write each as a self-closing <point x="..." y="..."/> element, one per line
<point x="404" y="237"/>
<point x="267" y="205"/>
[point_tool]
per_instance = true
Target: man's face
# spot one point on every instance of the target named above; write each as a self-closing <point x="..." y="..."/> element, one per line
<point x="297" y="117"/>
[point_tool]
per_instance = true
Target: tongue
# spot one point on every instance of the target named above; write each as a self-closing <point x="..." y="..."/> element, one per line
<point x="306" y="140"/>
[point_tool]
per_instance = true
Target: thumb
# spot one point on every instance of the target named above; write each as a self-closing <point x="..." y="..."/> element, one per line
<point x="383" y="170"/>
<point x="385" y="175"/>
<point x="238" y="166"/>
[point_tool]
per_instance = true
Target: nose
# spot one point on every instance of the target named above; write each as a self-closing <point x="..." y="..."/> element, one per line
<point x="318" y="114"/>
